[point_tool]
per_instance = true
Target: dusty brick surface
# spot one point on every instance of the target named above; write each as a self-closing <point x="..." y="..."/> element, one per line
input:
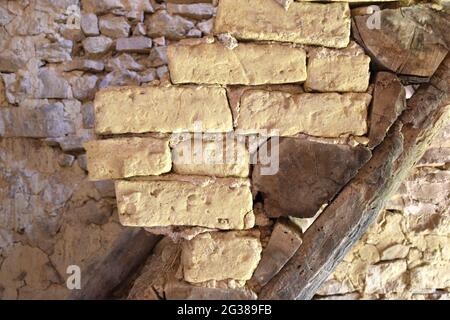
<point x="249" y="64"/>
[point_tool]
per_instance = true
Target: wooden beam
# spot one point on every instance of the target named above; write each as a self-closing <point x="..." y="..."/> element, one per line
<point x="347" y="218"/>
<point x="130" y="251"/>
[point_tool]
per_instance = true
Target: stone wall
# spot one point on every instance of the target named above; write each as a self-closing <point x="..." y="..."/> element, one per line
<point x="54" y="61"/>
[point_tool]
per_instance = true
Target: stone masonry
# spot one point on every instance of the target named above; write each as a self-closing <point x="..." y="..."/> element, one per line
<point x="114" y="116"/>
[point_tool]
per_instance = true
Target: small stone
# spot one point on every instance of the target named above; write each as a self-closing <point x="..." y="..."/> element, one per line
<point x="66" y="160"/>
<point x="84" y="65"/>
<point x="397" y="251"/>
<point x="114" y="27"/>
<point x="432" y="277"/>
<point x="97" y="45"/>
<point x="3" y="99"/>
<point x="56" y="51"/>
<point x="87" y="112"/>
<point x="35" y="122"/>
<point x="102" y="6"/>
<point x="386" y="277"/>
<point x="221" y="256"/>
<point x="123" y="62"/>
<point x="120" y="78"/>
<point x="84" y="87"/>
<point x="206" y="27"/>
<point x="82" y="161"/>
<point x="162" y="72"/>
<point x="139" y="29"/>
<point x="52" y="85"/>
<point x="148" y="75"/>
<point x="139" y="44"/>
<point x="161" y="23"/>
<point x="160" y="41"/>
<point x="198" y="11"/>
<point x="285" y="3"/>
<point x="89" y="24"/>
<point x="194" y="33"/>
<point x="227" y="40"/>
<point x="158" y="56"/>
<point x="15" y="53"/>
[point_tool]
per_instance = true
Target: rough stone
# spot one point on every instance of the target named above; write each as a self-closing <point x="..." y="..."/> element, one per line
<point x="306" y="23"/>
<point x="66" y="160"/>
<point x="206" y="27"/>
<point x="89" y="24"/>
<point x="158" y="109"/>
<point x="197" y="201"/>
<point x="197" y="11"/>
<point x="284" y="242"/>
<point x="249" y="64"/>
<point x="54" y="51"/>
<point x="123" y="62"/>
<point x="310" y="174"/>
<point x="158" y="56"/>
<point x="317" y="114"/>
<point x="138" y="44"/>
<point x="389" y="100"/>
<point x="39" y="122"/>
<point x="3" y="98"/>
<point x="162" y="23"/>
<point x="429" y="278"/>
<point x="120" y="77"/>
<point x="216" y="157"/>
<point x="101" y="6"/>
<point x="84" y="65"/>
<point x="113" y="26"/>
<point x="285" y="3"/>
<point x="84" y="87"/>
<point x="227" y="40"/>
<point x="52" y="85"/>
<point x="221" y="256"/>
<point x="15" y="53"/>
<point x="386" y="277"/>
<point x="343" y="70"/>
<point x="88" y="115"/>
<point x="97" y="45"/>
<point x="137" y="157"/>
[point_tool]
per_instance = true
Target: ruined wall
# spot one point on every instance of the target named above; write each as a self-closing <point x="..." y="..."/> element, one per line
<point x="53" y="61"/>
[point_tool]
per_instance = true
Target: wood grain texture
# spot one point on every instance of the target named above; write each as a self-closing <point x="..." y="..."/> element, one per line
<point x="130" y="251"/>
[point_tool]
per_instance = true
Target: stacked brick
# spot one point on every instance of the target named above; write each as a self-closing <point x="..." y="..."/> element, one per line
<point x="293" y="72"/>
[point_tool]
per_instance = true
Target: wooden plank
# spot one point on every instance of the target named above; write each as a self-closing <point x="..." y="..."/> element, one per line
<point x="101" y="279"/>
<point x="346" y="219"/>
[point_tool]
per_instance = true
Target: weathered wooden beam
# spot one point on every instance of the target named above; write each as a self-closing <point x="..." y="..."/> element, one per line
<point x="346" y="219"/>
<point x="130" y="251"/>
